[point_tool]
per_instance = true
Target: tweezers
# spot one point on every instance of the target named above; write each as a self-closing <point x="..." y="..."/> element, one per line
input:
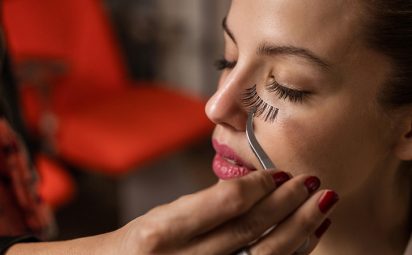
<point x="254" y="144"/>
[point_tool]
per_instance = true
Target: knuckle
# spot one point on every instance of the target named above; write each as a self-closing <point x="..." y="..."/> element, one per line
<point x="293" y="190"/>
<point x="151" y="236"/>
<point x="233" y="197"/>
<point x="264" y="181"/>
<point x="237" y="195"/>
<point x="308" y="223"/>
<point x="296" y="187"/>
<point x="248" y="230"/>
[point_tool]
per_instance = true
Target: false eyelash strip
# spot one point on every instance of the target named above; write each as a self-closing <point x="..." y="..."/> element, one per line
<point x="251" y="99"/>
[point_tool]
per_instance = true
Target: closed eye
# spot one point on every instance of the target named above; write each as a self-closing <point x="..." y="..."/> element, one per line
<point x="222" y="64"/>
<point x="252" y="100"/>
<point x="283" y="92"/>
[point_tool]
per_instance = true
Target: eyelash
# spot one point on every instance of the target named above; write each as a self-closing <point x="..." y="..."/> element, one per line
<point x="222" y="64"/>
<point x="293" y="95"/>
<point x="282" y="91"/>
<point x="251" y="99"/>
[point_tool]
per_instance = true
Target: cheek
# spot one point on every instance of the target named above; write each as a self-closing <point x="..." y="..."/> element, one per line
<point x="334" y="145"/>
<point x="301" y="147"/>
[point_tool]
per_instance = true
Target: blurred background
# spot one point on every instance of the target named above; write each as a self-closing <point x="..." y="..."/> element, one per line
<point x="111" y="95"/>
<point x="172" y="40"/>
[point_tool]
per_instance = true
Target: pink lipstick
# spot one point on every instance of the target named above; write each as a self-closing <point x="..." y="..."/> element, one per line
<point x="228" y="165"/>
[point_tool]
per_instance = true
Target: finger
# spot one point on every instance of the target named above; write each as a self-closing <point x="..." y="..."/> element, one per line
<point x="288" y="236"/>
<point x="270" y="211"/>
<point x="311" y="242"/>
<point x="194" y="214"/>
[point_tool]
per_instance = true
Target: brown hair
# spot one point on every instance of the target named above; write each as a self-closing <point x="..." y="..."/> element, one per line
<point x="390" y="32"/>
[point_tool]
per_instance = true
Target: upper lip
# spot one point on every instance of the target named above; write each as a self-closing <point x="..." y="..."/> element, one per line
<point x="227" y="152"/>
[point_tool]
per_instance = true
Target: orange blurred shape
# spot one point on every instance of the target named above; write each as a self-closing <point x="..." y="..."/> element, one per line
<point x="56" y="186"/>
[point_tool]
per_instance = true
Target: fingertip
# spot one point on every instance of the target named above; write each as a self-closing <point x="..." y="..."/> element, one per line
<point x="324" y="226"/>
<point x="280" y="178"/>
<point x="328" y="199"/>
<point x="275" y="170"/>
<point x="312" y="183"/>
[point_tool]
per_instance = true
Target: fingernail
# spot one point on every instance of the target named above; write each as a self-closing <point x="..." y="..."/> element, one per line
<point x="328" y="199"/>
<point x="280" y="178"/>
<point x="322" y="228"/>
<point x="312" y="183"/>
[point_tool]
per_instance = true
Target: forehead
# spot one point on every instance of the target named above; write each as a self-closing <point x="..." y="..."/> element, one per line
<point x="327" y="27"/>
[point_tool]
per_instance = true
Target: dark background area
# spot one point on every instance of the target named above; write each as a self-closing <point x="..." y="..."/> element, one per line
<point x="176" y="41"/>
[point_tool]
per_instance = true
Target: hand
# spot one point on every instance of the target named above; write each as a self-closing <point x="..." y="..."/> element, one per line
<point x="233" y="214"/>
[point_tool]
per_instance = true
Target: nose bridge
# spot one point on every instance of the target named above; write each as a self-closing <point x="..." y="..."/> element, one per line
<point x="225" y="106"/>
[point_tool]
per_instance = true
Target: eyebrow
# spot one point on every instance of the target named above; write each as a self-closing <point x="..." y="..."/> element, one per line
<point x="272" y="50"/>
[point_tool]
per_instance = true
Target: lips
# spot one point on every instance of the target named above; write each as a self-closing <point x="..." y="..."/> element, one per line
<point x="228" y="165"/>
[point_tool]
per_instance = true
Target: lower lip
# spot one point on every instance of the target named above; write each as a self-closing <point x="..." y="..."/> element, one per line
<point x="226" y="170"/>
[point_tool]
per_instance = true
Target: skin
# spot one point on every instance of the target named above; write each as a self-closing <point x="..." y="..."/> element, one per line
<point x="340" y="132"/>
<point x="237" y="215"/>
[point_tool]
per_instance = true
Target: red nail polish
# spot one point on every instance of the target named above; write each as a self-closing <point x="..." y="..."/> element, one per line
<point x="322" y="228"/>
<point x="328" y="199"/>
<point x="312" y="183"/>
<point x="280" y="178"/>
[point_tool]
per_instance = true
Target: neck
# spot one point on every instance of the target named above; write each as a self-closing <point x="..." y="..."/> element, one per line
<point x="374" y="221"/>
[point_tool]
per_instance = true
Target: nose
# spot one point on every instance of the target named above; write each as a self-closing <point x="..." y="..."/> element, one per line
<point x="225" y="106"/>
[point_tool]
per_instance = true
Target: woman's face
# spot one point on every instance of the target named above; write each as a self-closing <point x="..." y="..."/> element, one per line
<point x="309" y="60"/>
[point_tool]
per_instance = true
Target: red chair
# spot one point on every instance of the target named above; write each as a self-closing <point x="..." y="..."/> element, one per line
<point x="76" y="92"/>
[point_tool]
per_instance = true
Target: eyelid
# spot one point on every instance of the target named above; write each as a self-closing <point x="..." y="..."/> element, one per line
<point x="285" y="92"/>
<point x="274" y="81"/>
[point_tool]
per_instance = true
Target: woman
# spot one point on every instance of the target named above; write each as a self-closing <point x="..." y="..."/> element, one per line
<point x="338" y="73"/>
